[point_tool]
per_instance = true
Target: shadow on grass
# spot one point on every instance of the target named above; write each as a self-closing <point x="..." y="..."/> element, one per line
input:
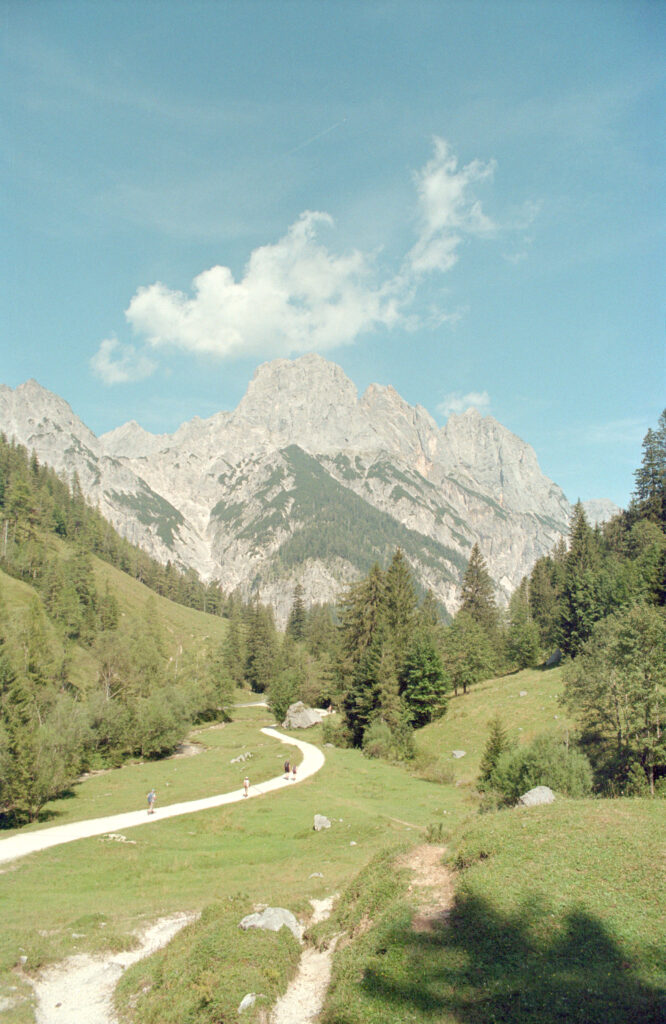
<point x="530" y="968"/>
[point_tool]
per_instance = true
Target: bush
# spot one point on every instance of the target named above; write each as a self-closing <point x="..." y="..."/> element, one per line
<point x="392" y="744"/>
<point x="547" y="761"/>
<point x="334" y="730"/>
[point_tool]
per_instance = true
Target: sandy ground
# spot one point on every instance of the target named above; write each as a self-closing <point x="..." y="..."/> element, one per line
<point x="80" y="990"/>
<point x="304" y="998"/>
<point x="29" y="842"/>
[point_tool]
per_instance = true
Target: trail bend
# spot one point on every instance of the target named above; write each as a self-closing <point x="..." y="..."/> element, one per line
<point x="31" y="842"/>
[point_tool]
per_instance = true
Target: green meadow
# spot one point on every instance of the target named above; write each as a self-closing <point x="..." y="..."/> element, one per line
<point x="558" y="912"/>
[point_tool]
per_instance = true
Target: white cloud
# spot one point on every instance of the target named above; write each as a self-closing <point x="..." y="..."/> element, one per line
<point x="296" y="296"/>
<point x="114" y="363"/>
<point x="457" y="403"/>
<point x="447" y="208"/>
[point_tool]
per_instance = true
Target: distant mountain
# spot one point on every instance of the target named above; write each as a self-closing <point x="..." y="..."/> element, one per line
<point x="306" y="482"/>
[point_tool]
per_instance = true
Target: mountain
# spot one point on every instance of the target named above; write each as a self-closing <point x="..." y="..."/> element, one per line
<point x="307" y="482"/>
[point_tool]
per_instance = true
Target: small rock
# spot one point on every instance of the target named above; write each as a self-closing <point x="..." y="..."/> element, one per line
<point x="321" y="822"/>
<point x="23" y="960"/>
<point x="353" y="843"/>
<point x="458" y="753"/>
<point x="537" y="796"/>
<point x="247" y="1001"/>
<point x="523" y="693"/>
<point x="316" y="874"/>
<point x="272" y="919"/>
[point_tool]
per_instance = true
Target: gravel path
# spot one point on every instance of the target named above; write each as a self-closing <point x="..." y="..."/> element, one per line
<point x="30" y="842"/>
<point x="80" y="990"/>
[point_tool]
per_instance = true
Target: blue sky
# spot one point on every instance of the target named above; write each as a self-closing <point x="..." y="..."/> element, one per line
<point x="464" y="200"/>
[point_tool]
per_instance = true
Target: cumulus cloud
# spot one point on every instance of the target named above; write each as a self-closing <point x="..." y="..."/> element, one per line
<point x="448" y="209"/>
<point x="298" y="295"/>
<point x="114" y="363"/>
<point x="295" y="296"/>
<point x="456" y="403"/>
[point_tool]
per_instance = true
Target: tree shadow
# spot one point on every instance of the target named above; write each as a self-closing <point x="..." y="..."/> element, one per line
<point x="533" y="967"/>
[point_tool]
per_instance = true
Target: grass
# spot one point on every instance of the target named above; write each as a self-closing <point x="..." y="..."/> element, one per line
<point x="558" y="916"/>
<point x="557" y="913"/>
<point x="225" y="861"/>
<point x="465" y="726"/>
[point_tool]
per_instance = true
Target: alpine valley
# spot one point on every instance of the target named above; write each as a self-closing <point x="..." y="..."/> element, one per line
<point x="306" y="482"/>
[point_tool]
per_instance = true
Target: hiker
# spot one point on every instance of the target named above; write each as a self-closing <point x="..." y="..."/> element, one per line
<point x="151" y="798"/>
<point x="246" y="786"/>
<point x="293" y="773"/>
<point x="287" y="769"/>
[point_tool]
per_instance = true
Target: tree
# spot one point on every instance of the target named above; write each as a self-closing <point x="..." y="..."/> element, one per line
<point x="617" y="687"/>
<point x="477" y="596"/>
<point x="650" y="493"/>
<point x="522" y="640"/>
<point x="497" y="742"/>
<point x="467" y="652"/>
<point x="262" y="649"/>
<point x="423" y="681"/>
<point x="361" y="613"/>
<point x="581" y="606"/>
<point x="297" y="617"/>
<point x="400" y="604"/>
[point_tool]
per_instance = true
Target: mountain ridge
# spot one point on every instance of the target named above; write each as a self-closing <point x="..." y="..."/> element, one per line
<point x="229" y="496"/>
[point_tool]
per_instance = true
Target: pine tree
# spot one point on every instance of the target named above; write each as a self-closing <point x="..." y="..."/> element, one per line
<point x="478" y="593"/>
<point x="423" y="681"/>
<point x="581" y="606"/>
<point x="296" y="622"/>
<point x="400" y="605"/>
<point x="496" y="744"/>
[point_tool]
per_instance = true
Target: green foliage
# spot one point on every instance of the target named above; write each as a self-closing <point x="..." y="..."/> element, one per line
<point x="547" y="761"/>
<point x="498" y="742"/>
<point x="477" y="596"/>
<point x="617" y="686"/>
<point x="468" y="652"/>
<point x="423" y="681"/>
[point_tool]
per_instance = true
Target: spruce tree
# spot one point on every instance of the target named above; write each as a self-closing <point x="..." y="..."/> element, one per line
<point x="296" y="622"/>
<point x="477" y="597"/>
<point x="581" y="606"/>
<point x="400" y="604"/>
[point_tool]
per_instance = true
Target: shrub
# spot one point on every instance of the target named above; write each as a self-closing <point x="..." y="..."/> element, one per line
<point x="391" y="743"/>
<point x="547" y="761"/>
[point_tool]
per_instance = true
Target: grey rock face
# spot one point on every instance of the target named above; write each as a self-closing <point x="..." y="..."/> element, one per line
<point x="244" y="497"/>
<point x="272" y="919"/>
<point x="301" y="717"/>
<point x="538" y="795"/>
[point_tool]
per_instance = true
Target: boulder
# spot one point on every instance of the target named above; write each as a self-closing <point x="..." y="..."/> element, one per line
<point x="272" y="919"/>
<point x="458" y="753"/>
<point x="299" y="716"/>
<point x="555" y="658"/>
<point x="535" y="797"/>
<point x="247" y="1001"/>
<point x="321" y="822"/>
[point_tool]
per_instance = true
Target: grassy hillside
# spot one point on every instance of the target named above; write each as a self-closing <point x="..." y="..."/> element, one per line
<point x="558" y="911"/>
<point x="465" y="726"/>
<point x="557" y="916"/>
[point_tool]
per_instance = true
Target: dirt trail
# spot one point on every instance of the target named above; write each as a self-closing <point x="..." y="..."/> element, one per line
<point x="80" y="990"/>
<point x="304" y="998"/>
<point x="29" y="842"/>
<point x="431" y="887"/>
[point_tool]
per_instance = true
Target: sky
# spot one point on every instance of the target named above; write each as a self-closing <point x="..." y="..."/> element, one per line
<point x="463" y="199"/>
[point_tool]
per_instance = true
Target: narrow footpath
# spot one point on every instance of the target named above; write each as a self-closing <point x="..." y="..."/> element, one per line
<point x="30" y="842"/>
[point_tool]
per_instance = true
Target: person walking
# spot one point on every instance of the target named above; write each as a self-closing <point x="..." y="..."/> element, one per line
<point x="246" y="786"/>
<point x="151" y="798"/>
<point x="293" y="773"/>
<point x="286" y="769"/>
